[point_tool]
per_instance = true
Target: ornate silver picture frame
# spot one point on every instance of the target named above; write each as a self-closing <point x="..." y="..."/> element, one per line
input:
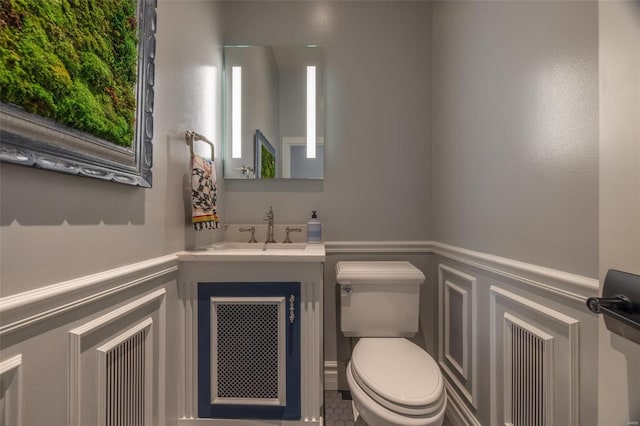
<point x="31" y="140"/>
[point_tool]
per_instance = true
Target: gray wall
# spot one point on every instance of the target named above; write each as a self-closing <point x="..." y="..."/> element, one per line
<point x="377" y="153"/>
<point x="515" y="130"/>
<point x="55" y="227"/>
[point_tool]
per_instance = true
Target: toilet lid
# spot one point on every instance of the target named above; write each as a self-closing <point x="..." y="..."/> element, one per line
<point x="396" y="371"/>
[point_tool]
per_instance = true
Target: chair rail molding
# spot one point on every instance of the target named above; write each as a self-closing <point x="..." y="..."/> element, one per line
<point x="560" y="283"/>
<point x="27" y="308"/>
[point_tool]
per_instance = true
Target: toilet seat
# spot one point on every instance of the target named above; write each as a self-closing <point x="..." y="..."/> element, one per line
<point x="398" y="375"/>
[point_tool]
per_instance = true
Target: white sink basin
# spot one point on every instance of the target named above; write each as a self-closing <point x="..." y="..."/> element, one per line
<point x="256" y="246"/>
<point x="260" y="252"/>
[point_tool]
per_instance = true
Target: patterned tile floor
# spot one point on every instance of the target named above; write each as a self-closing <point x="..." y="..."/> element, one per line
<point x="338" y="412"/>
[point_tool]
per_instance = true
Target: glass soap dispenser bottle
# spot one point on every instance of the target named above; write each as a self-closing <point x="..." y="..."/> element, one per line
<point x="314" y="229"/>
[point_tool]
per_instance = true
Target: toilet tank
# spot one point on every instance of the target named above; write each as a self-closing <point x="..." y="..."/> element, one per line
<point x="379" y="299"/>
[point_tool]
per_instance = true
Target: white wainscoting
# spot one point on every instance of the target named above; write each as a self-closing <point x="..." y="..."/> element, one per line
<point x="461" y="370"/>
<point x="25" y="319"/>
<point x="62" y="331"/>
<point x="496" y="286"/>
<point x="10" y="397"/>
<point x="28" y="308"/>
<point x="86" y="368"/>
<point x="556" y="389"/>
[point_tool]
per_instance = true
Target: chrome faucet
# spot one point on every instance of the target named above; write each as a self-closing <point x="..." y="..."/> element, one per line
<point x="269" y="218"/>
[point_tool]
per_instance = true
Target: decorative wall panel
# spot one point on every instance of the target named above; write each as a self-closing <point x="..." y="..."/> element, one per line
<point x="458" y="330"/>
<point x="534" y="356"/>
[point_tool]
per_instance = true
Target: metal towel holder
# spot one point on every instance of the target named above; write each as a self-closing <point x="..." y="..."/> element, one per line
<point x="192" y="136"/>
<point x="620" y="304"/>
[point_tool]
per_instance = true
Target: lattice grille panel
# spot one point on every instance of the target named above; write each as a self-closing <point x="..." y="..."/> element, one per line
<point x="125" y="378"/>
<point x="527" y="378"/>
<point x="247" y="349"/>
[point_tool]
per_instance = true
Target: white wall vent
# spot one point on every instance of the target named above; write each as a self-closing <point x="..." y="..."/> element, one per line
<point x="125" y="391"/>
<point x="528" y="366"/>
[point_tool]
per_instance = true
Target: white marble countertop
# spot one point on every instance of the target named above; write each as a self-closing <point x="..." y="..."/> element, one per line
<point x="230" y="251"/>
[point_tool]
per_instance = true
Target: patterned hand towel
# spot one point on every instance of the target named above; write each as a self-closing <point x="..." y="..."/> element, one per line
<point x="203" y="194"/>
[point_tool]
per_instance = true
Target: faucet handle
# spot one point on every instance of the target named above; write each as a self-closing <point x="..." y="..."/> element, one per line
<point x="287" y="229"/>
<point x="253" y="233"/>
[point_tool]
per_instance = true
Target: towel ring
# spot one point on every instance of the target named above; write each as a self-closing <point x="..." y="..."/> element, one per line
<point x="192" y="136"/>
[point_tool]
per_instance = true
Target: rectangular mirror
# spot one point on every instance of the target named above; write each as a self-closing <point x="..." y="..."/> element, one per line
<point x="273" y="112"/>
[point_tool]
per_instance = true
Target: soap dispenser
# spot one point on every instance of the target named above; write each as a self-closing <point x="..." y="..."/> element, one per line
<point x="314" y="229"/>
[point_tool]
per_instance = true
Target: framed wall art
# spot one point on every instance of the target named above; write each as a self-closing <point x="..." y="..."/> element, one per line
<point x="76" y="87"/>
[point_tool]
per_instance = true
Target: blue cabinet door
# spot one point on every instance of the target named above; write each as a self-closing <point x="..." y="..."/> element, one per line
<point x="249" y="350"/>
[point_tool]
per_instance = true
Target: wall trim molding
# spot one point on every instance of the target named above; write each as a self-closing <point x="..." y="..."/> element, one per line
<point x="529" y="310"/>
<point x="77" y="334"/>
<point x="568" y="285"/>
<point x="11" y="393"/>
<point x="331" y="375"/>
<point x="446" y="277"/>
<point x="457" y="411"/>
<point x="27" y="308"/>
<point x="334" y="247"/>
<point x="575" y="287"/>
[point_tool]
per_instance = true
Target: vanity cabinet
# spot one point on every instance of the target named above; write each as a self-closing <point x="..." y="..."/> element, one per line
<point x="234" y="313"/>
<point x="249" y="350"/>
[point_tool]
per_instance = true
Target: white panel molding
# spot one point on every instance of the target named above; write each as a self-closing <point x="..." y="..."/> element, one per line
<point x="25" y="309"/>
<point x="78" y="334"/>
<point x="331" y="375"/>
<point x="515" y="309"/>
<point x="457" y="411"/>
<point x="187" y="338"/>
<point x="450" y="278"/>
<point x="311" y="324"/>
<point x="559" y="283"/>
<point x="11" y="398"/>
<point x="572" y="286"/>
<point x="463" y="369"/>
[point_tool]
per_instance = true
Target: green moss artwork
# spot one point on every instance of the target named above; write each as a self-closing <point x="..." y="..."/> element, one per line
<point x="73" y="61"/>
<point x="268" y="164"/>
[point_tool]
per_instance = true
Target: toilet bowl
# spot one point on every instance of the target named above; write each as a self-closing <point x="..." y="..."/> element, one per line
<point x="393" y="382"/>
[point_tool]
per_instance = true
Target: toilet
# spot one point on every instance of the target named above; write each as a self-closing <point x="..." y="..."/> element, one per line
<point x="393" y="382"/>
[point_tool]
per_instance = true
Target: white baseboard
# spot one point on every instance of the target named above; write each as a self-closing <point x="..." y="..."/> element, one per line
<point x="331" y="375"/>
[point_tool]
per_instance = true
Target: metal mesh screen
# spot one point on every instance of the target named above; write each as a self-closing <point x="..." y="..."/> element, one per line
<point x="247" y="348"/>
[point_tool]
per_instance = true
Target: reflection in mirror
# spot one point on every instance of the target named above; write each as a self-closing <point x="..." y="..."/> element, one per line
<point x="265" y="161"/>
<point x="274" y="112"/>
